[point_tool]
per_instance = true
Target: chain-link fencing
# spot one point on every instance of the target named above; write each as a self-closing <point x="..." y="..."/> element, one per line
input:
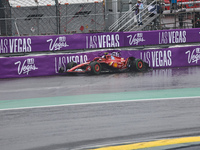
<point x="54" y="18"/>
<point x="49" y="17"/>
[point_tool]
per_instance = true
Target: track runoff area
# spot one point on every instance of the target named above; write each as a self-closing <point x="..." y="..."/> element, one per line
<point x="158" y="144"/>
<point x="134" y="96"/>
<point x="92" y="99"/>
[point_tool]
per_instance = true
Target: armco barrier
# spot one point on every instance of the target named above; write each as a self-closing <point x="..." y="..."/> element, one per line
<point x="46" y="65"/>
<point x="12" y="45"/>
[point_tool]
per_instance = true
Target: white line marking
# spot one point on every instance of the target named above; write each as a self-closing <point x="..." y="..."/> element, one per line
<point x="31" y="89"/>
<point x="104" y="102"/>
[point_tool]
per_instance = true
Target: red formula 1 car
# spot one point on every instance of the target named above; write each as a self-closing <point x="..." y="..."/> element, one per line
<point x="106" y="63"/>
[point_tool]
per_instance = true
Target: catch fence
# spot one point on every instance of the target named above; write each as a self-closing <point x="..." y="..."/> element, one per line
<point x="50" y="17"/>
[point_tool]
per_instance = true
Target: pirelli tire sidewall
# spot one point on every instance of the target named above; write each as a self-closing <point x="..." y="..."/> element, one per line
<point x="95" y="68"/>
<point x="139" y="65"/>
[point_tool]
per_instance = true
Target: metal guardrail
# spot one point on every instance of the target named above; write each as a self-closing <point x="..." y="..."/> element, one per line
<point x="185" y="3"/>
<point x="146" y="19"/>
<point x="132" y="25"/>
<point x="124" y="19"/>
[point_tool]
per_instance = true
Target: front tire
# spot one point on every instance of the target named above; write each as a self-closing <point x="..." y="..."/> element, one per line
<point x="61" y="70"/>
<point x="95" y="68"/>
<point x="71" y="65"/>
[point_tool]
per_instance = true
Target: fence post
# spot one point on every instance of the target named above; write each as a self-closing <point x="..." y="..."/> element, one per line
<point x="15" y="23"/>
<point x="37" y="19"/>
<point x="57" y="16"/>
<point x="106" y="15"/>
<point x="95" y="16"/>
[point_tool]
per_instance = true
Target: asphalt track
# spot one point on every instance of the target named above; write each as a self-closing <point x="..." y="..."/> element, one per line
<point x="90" y="112"/>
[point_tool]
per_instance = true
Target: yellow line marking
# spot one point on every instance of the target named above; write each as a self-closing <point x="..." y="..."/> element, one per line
<point x="157" y="143"/>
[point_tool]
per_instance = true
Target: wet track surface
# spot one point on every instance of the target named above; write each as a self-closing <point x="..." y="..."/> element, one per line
<point x="83" y="126"/>
<point x="106" y="83"/>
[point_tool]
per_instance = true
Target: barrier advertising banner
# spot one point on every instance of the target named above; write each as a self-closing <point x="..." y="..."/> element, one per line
<point x="97" y="40"/>
<point x="60" y="42"/>
<point x="161" y="37"/>
<point x="46" y="65"/>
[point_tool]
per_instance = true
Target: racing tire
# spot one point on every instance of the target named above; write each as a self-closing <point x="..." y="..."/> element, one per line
<point x="71" y="65"/>
<point x="139" y="65"/>
<point x="61" y="70"/>
<point x="95" y="68"/>
<point x="130" y="64"/>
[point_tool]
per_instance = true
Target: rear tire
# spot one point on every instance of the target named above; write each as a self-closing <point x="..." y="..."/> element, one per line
<point x="95" y="68"/>
<point x="130" y="64"/>
<point x="139" y="65"/>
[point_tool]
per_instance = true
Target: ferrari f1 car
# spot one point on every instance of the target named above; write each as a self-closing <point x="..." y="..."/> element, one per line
<point x="106" y="63"/>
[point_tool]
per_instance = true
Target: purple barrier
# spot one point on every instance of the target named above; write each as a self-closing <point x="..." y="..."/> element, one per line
<point x="97" y="40"/>
<point x="158" y="37"/>
<point x="60" y="42"/>
<point x="29" y="66"/>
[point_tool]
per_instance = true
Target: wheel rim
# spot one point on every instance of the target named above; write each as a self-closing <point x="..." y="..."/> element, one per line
<point x="97" y="68"/>
<point x="140" y="64"/>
